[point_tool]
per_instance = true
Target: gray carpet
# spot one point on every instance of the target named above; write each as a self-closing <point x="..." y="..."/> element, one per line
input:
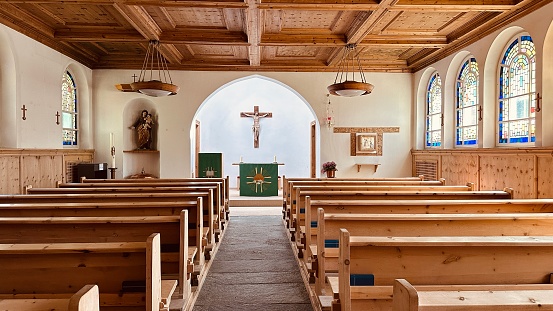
<point x="254" y="269"/>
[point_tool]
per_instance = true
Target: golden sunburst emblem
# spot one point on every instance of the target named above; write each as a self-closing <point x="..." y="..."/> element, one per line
<point x="258" y="180"/>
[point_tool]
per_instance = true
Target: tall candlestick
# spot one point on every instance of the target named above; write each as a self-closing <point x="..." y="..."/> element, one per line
<point x="112" y="149"/>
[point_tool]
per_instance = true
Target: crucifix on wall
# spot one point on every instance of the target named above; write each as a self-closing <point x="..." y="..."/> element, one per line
<point x="255" y="127"/>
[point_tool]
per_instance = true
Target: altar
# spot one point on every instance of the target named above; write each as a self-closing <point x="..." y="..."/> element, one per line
<point x="258" y="179"/>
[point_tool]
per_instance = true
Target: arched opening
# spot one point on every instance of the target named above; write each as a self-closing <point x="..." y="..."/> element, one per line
<point x="490" y="72"/>
<point x="8" y="98"/>
<point x="420" y="111"/>
<point x="285" y="135"/>
<point x="547" y="89"/>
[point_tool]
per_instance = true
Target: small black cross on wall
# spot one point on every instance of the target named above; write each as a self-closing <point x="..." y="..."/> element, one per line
<point x="24" y="112"/>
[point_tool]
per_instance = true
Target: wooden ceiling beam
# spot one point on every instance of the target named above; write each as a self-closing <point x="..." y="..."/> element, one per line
<point x="157" y="3"/>
<point x="364" y="23"/>
<point x="171" y="53"/>
<point x="253" y="30"/>
<point x="94" y="35"/>
<point x="202" y="36"/>
<point x="451" y="8"/>
<point x="280" y="39"/>
<point x="339" y="40"/>
<point x="140" y="20"/>
<point x="317" y="6"/>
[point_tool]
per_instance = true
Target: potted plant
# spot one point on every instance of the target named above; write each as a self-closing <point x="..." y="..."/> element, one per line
<point x="329" y="168"/>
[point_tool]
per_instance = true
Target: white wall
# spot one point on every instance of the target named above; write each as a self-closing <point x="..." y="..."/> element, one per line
<point x="31" y="76"/>
<point x="487" y="52"/>
<point x="388" y="105"/>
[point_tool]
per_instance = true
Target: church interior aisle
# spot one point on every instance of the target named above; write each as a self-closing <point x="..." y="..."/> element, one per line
<point x="254" y="269"/>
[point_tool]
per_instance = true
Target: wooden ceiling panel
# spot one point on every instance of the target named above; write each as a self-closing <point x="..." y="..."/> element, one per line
<point x="197" y="17"/>
<point x="299" y="35"/>
<point x="78" y="14"/>
<point x="372" y="53"/>
<point x="202" y="51"/>
<point x="427" y="22"/>
<point x="297" y="52"/>
<point x="308" y="19"/>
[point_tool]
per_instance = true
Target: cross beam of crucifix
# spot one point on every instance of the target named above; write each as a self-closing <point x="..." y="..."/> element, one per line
<point x="255" y="127"/>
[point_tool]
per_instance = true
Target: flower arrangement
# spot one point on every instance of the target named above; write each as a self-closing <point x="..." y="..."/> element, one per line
<point x="329" y="166"/>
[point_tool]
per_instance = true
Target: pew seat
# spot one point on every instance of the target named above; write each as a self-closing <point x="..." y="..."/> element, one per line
<point x="516" y="297"/>
<point x="86" y="299"/>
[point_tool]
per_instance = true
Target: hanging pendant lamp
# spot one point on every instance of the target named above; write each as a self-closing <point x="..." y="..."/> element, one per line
<point x="159" y="83"/>
<point x="344" y="83"/>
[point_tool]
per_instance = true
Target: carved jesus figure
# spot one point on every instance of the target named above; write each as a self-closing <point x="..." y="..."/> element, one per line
<point x="256" y="127"/>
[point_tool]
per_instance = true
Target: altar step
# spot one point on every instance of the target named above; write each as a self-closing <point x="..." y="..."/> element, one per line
<point x="237" y="200"/>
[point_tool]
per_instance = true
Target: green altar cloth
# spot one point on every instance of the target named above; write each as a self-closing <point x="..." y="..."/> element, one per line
<point x="258" y="179"/>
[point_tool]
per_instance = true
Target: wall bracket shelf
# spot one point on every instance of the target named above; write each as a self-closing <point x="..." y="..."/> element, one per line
<point x="360" y="165"/>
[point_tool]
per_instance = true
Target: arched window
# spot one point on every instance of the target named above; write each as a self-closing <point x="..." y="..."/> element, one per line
<point x="434" y="114"/>
<point x="517" y="93"/>
<point x="466" y="111"/>
<point x="69" y="110"/>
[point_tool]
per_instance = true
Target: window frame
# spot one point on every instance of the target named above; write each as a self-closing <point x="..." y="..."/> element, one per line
<point x="515" y="42"/>
<point x="466" y="64"/>
<point x="74" y="114"/>
<point x="434" y="77"/>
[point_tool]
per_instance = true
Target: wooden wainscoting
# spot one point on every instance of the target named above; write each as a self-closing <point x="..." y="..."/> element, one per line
<point x="528" y="171"/>
<point x="38" y="167"/>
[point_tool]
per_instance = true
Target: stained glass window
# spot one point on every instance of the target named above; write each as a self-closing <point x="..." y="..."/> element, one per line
<point x="434" y="112"/>
<point x="466" y="111"/>
<point x="69" y="115"/>
<point x="517" y="93"/>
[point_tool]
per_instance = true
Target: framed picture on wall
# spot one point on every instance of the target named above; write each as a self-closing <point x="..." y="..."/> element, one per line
<point x="366" y="144"/>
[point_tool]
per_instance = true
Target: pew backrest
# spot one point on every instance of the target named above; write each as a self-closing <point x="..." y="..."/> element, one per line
<point x="56" y="267"/>
<point x="463" y="260"/>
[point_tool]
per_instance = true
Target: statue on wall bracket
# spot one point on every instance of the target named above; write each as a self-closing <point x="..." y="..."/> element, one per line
<point x="143" y="127"/>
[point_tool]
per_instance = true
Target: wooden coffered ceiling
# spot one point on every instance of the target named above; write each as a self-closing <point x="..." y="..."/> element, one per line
<point x="264" y="35"/>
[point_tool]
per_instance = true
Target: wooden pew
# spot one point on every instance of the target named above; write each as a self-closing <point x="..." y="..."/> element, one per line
<point x="131" y="204"/>
<point x="288" y="195"/>
<point x="385" y="225"/>
<point x="211" y="215"/>
<point x="307" y="216"/>
<point x="177" y="257"/>
<point x="220" y="199"/>
<point x="472" y="297"/>
<point x="372" y="264"/>
<point x="128" y="274"/>
<point x="90" y="208"/>
<point x="291" y="209"/>
<point x="285" y="180"/>
<point x="225" y="194"/>
<point x="86" y="299"/>
<point x="386" y="193"/>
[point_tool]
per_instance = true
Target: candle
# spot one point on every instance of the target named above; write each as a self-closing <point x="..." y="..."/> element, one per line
<point x="112" y="150"/>
<point x="240" y="158"/>
<point x="274" y="159"/>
